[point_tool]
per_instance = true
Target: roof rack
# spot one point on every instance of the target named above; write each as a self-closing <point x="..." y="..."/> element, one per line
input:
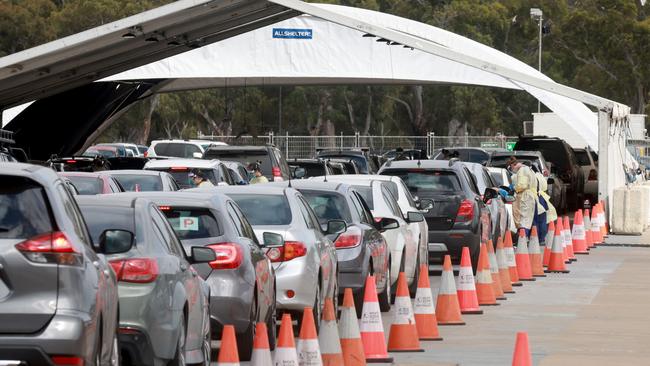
<point x="7" y="137"/>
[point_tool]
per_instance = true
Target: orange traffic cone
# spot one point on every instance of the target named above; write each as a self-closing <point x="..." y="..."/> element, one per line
<point x="548" y="243"/>
<point x="447" y="305"/>
<point x="424" y="311"/>
<point x="567" y="238"/>
<point x="484" y="288"/>
<point x="535" y="254"/>
<point x="466" y="288"/>
<point x="504" y="269"/>
<point x="261" y="351"/>
<point x="328" y="337"/>
<point x="372" y="329"/>
<point x="308" y="349"/>
<point x="596" y="234"/>
<point x="228" y="355"/>
<point x="403" y="335"/>
<point x="602" y="219"/>
<point x="494" y="271"/>
<point x="556" y="260"/>
<point x="351" y="345"/>
<point x="285" y="352"/>
<point x="522" y="258"/>
<point x="559" y="226"/>
<point x="512" y="263"/>
<point x="588" y="236"/>
<point x="578" y="235"/>
<point x="521" y="356"/>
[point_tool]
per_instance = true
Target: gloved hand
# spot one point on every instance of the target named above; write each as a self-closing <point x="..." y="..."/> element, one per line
<point x="503" y="192"/>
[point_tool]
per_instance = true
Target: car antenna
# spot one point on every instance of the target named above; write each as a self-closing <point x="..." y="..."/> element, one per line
<point x="325" y="170"/>
<point x="419" y="163"/>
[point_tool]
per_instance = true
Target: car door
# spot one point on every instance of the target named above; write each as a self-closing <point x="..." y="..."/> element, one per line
<point x="376" y="243"/>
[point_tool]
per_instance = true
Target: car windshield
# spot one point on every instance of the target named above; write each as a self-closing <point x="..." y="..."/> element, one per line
<point x="583" y="158"/>
<point x="245" y="157"/>
<point x="139" y="183"/>
<point x="176" y="149"/>
<point x="360" y="161"/>
<point x="327" y="205"/>
<point x="103" y="152"/>
<point x="100" y="218"/>
<point x="24" y="209"/>
<point x="257" y="207"/>
<point x="311" y="169"/>
<point x="418" y="180"/>
<point x="366" y="194"/>
<point x="192" y="223"/>
<point x="87" y="185"/>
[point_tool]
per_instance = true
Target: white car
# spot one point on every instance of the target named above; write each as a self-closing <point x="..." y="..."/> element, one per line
<point x="419" y="230"/>
<point x="501" y="177"/>
<point x="180" y="148"/>
<point x="383" y="205"/>
<point x="214" y="170"/>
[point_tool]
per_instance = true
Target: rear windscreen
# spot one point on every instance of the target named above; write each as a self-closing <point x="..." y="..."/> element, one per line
<point x="327" y="205"/>
<point x="502" y="161"/>
<point x="24" y="209"/>
<point x="176" y="149"/>
<point x="245" y="157"/>
<point x="261" y="209"/>
<point x="87" y="185"/>
<point x="427" y="180"/>
<point x="192" y="223"/>
<point x="498" y="179"/>
<point x="100" y="218"/>
<point x="366" y="194"/>
<point x="311" y="169"/>
<point x="139" y="183"/>
<point x="583" y="158"/>
<point x="360" y="161"/>
<point x="182" y="176"/>
<point x="104" y="153"/>
<point x="553" y="151"/>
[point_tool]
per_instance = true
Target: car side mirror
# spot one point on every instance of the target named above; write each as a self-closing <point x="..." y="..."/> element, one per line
<point x="203" y="255"/>
<point x="272" y="239"/>
<point x="115" y="241"/>
<point x="336" y="227"/>
<point x="386" y="223"/>
<point x="299" y="173"/>
<point x="425" y="204"/>
<point x="413" y="216"/>
<point x="197" y="155"/>
<point x="550" y="181"/>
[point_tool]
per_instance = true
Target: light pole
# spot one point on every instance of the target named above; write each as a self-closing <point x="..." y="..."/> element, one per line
<point x="537" y="14"/>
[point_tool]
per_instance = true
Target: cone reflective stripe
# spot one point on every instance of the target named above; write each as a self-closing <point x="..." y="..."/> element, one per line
<point x="484" y="288"/>
<point x="522" y="258"/>
<point x="447" y="305"/>
<point x="403" y="336"/>
<point x="521" y="356"/>
<point x="261" y="352"/>
<point x="285" y="352"/>
<point x="465" y="286"/>
<point x="535" y="254"/>
<point x="504" y="269"/>
<point x="559" y="226"/>
<point x="228" y="355"/>
<point x="351" y="345"/>
<point x="371" y="327"/>
<point x="423" y="310"/>
<point x="578" y="235"/>
<point x="567" y="238"/>
<point x="494" y="272"/>
<point x="308" y="349"/>
<point x="328" y="337"/>
<point x="510" y="258"/>
<point x="596" y="234"/>
<point x="556" y="260"/>
<point x="548" y="243"/>
<point x="588" y="237"/>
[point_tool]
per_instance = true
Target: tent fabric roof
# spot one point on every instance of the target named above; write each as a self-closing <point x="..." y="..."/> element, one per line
<point x="336" y="54"/>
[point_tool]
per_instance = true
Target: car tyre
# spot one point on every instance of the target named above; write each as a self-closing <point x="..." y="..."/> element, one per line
<point x="245" y="340"/>
<point x="385" y="296"/>
<point x="179" y="356"/>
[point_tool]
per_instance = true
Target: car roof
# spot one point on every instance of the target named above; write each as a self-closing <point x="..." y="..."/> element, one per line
<point x="496" y="169"/>
<point x="109" y="200"/>
<point x="240" y="147"/>
<point x="421" y="164"/>
<point x="189" y="163"/>
<point x="517" y="153"/>
<point x="340" y="152"/>
<point x="39" y="173"/>
<point x="383" y="178"/>
<point x="103" y="147"/>
<point x="97" y="175"/>
<point x="249" y="189"/>
<point x="132" y="172"/>
<point x="189" y="199"/>
<point x="314" y="184"/>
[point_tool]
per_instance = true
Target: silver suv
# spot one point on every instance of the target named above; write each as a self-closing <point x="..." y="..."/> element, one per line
<point x="58" y="296"/>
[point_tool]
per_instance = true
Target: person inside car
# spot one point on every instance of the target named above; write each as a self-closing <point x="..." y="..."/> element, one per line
<point x="198" y="178"/>
<point x="257" y="171"/>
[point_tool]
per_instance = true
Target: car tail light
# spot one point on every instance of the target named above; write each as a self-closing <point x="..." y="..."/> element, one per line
<point x="349" y="239"/>
<point x="146" y="153"/>
<point x="276" y="171"/>
<point x="179" y="168"/>
<point x="136" y="270"/>
<point x="593" y="174"/>
<point x="164" y="208"/>
<point x="229" y="256"/>
<point x="54" y="248"/>
<point x="465" y="211"/>
<point x="67" y="360"/>
<point x="287" y="252"/>
<point x="70" y="161"/>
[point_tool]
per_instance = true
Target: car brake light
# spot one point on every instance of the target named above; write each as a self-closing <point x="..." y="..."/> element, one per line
<point x="349" y="239"/>
<point x="287" y="252"/>
<point x="165" y="208"/>
<point x="593" y="174"/>
<point x="54" y="248"/>
<point x="276" y="171"/>
<point x="146" y="153"/>
<point x="465" y="211"/>
<point x="136" y="270"/>
<point x="67" y="360"/>
<point x="179" y="168"/>
<point x="229" y="256"/>
<point x="70" y="161"/>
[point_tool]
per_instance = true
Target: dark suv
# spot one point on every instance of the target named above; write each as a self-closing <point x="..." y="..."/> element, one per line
<point x="273" y="164"/>
<point x="563" y="163"/>
<point x="459" y="217"/>
<point x="359" y="157"/>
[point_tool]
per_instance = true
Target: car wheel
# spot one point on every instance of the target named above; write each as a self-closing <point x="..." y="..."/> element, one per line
<point x="413" y="288"/>
<point x="393" y="290"/>
<point x="385" y="296"/>
<point x="271" y="324"/>
<point x="179" y="356"/>
<point x="245" y="340"/>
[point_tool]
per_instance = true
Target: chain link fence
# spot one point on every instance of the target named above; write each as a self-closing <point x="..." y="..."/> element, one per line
<point x="301" y="147"/>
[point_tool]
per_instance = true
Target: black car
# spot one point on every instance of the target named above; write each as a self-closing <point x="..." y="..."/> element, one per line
<point x="312" y="167"/>
<point x="459" y="217"/>
<point x="563" y="163"/>
<point x="466" y="154"/>
<point x="273" y="164"/>
<point x="360" y="157"/>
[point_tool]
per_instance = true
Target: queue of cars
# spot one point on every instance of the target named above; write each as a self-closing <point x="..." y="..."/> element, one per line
<point x="159" y="266"/>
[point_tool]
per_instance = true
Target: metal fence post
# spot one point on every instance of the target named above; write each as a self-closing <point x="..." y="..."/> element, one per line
<point x="466" y="139"/>
<point x="286" y="146"/>
<point x="270" y="137"/>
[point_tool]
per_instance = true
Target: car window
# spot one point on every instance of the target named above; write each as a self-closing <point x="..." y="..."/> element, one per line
<point x="554" y="151"/>
<point x="182" y="175"/>
<point x="101" y="218"/>
<point x="114" y="185"/>
<point x="256" y="207"/>
<point x="243" y="156"/>
<point x="497" y="177"/>
<point x="234" y="218"/>
<point x="74" y="214"/>
<point x="87" y="185"/>
<point x="244" y="225"/>
<point x="407" y="194"/>
<point x="472" y="180"/>
<point x="582" y="157"/>
<point x="176" y="149"/>
<point x="327" y="205"/>
<point x="192" y="223"/>
<point x="356" y="207"/>
<point x="168" y="238"/>
<point x="305" y="213"/>
<point x="366" y="193"/>
<point x="391" y="202"/>
<point x="369" y="219"/>
<point x="418" y="180"/>
<point x="24" y="209"/>
<point x="139" y="183"/>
